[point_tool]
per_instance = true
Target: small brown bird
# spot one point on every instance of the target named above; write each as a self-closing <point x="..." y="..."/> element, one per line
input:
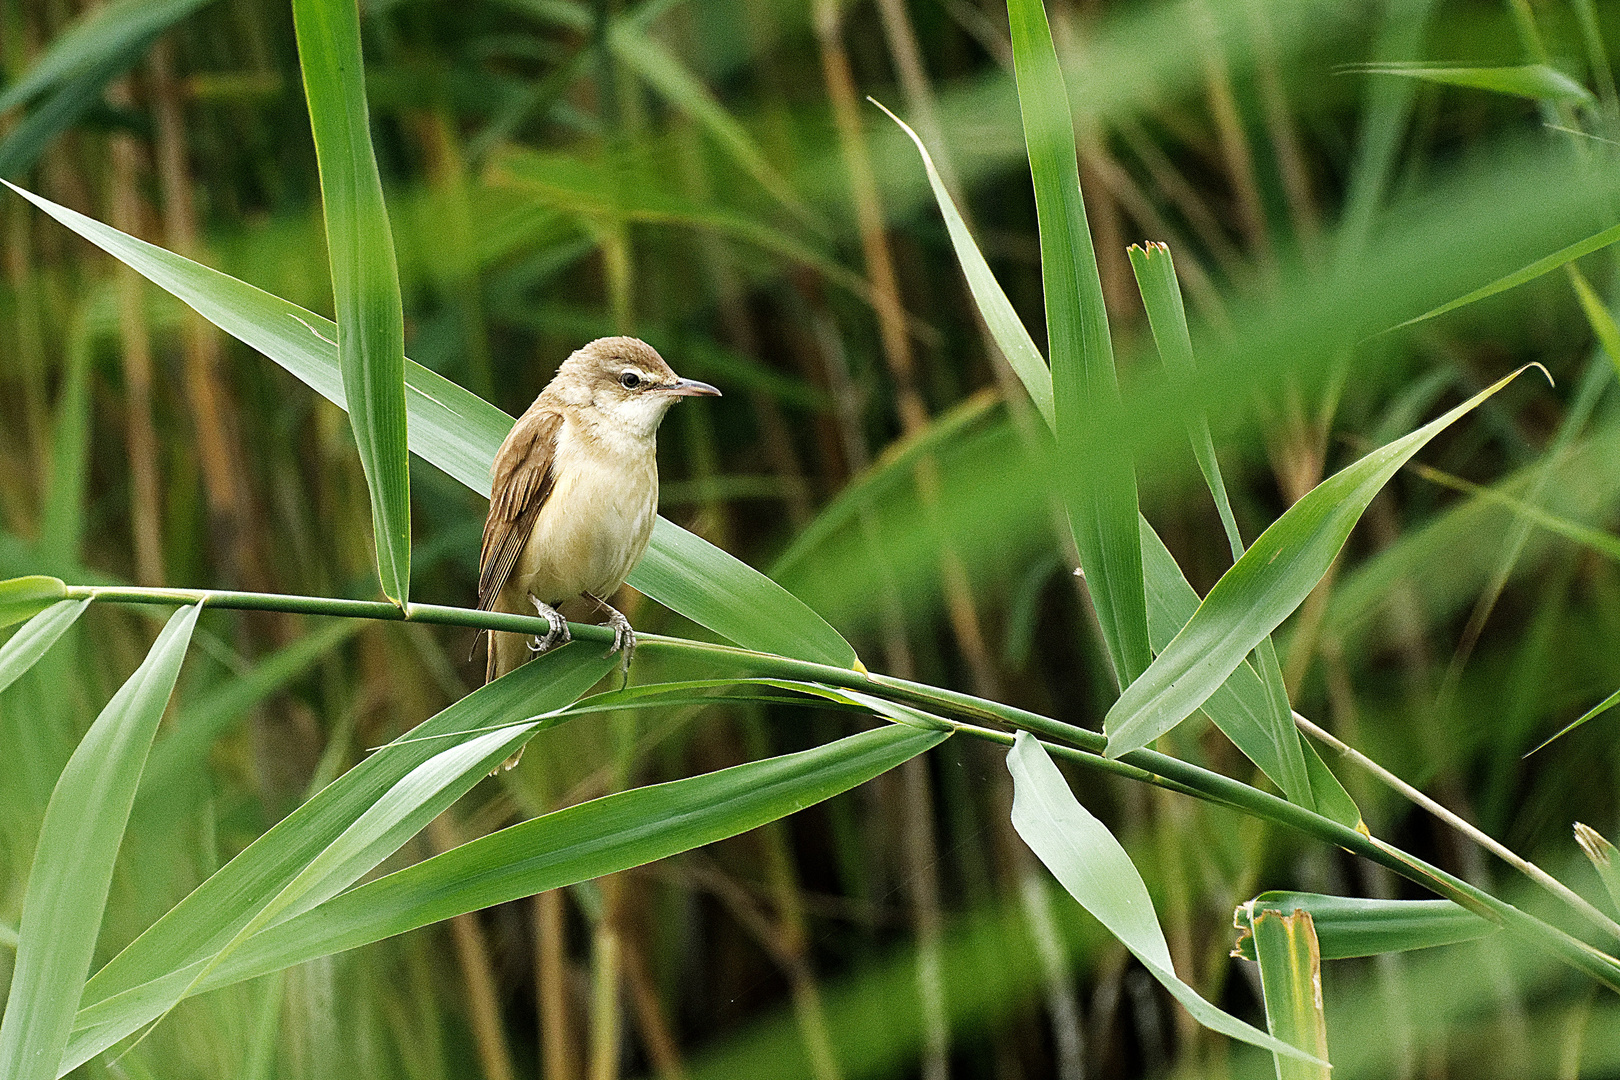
<point x="574" y="493"/>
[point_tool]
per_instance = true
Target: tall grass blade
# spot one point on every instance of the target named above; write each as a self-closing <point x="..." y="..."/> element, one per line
<point x="1350" y="926"/>
<point x="73" y="860"/>
<point x="1260" y="590"/>
<point x="1536" y="81"/>
<point x="365" y="278"/>
<point x="1591" y="714"/>
<point x="1098" y="481"/>
<point x="28" y="644"/>
<point x="459" y="432"/>
<point x="1291" y="985"/>
<point x="1086" y="859"/>
<point x="1005" y="326"/>
<point x="563" y="848"/>
<point x="1155" y="272"/>
<point x="1595" y="242"/>
<point x="64" y="104"/>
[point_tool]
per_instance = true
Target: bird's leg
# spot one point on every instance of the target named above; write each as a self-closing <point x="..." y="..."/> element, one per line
<point x="557" y="635"/>
<point x="624" y="636"/>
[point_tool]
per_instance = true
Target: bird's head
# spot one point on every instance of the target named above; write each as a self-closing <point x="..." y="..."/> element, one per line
<point x="626" y="382"/>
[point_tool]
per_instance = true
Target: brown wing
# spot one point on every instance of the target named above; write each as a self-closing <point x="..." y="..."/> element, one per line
<point x="522" y="480"/>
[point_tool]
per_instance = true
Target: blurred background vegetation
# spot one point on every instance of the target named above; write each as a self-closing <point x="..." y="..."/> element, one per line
<point x="706" y="175"/>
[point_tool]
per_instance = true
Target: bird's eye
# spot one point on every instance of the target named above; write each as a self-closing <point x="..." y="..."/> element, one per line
<point x="629" y="380"/>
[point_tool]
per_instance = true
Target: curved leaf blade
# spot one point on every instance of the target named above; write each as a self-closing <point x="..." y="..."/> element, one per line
<point x="1012" y="338"/>
<point x="1086" y="859"/>
<point x="1260" y="590"/>
<point x="73" y="860"/>
<point x="365" y="277"/>
<point x="459" y="432"/>
<point x="118" y="30"/>
<point x="24" y="648"/>
<point x="579" y="843"/>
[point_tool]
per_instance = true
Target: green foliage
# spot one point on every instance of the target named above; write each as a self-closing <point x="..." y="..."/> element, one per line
<point x="365" y="280"/>
<point x="556" y="171"/>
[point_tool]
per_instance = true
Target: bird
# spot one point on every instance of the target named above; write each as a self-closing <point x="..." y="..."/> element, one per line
<point x="573" y="497"/>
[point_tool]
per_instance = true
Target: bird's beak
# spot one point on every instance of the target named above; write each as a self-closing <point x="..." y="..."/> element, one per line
<point x="690" y="388"/>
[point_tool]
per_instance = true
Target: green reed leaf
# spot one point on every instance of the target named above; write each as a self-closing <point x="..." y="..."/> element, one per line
<point x="1098" y="482"/>
<point x="582" y="842"/>
<point x="1005" y="326"/>
<point x="1261" y="589"/>
<point x="24" y="597"/>
<point x="1086" y="859"/>
<point x="365" y="276"/>
<point x="1349" y="926"/>
<point x="198" y="927"/>
<point x="1291" y="986"/>
<point x="22" y="649"/>
<point x="1536" y="81"/>
<point x="73" y="860"/>
<point x="1595" y="242"/>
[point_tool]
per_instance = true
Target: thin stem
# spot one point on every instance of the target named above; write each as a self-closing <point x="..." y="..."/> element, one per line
<point x="1462" y="825"/>
<point x="967" y="714"/>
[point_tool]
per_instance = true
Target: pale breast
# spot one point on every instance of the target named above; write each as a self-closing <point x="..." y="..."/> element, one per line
<point x="595" y="526"/>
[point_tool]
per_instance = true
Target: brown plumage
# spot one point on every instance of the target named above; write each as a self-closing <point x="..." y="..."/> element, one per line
<point x="574" y="493"/>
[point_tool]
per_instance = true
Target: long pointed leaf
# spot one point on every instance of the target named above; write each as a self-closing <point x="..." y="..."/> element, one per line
<point x="365" y="278"/>
<point x="1536" y="81"/>
<point x="1260" y="590"/>
<point x="577" y="844"/>
<point x="1167" y="316"/>
<point x="460" y="432"/>
<point x="24" y="597"/>
<point x="1005" y="326"/>
<point x="73" y="860"/>
<point x="28" y="644"/>
<point x="1099" y="482"/>
<point x="1084" y="856"/>
<point x="216" y="910"/>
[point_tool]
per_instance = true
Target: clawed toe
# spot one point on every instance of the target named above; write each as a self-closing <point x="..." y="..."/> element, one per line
<point x="558" y="634"/>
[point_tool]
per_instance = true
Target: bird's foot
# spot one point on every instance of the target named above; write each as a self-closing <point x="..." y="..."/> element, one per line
<point x="624" y="637"/>
<point x="557" y="635"/>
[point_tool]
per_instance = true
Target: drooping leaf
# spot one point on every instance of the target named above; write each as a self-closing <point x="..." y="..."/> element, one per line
<point x="1291" y="986"/>
<point x="73" y="860"/>
<point x="1098" y="481"/>
<point x="1536" y="81"/>
<point x="460" y="432"/>
<point x="1086" y="859"/>
<point x="1005" y="326"/>
<point x="365" y="277"/>
<point x="576" y="844"/>
<point x="1260" y="590"/>
<point x="1348" y="926"/>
